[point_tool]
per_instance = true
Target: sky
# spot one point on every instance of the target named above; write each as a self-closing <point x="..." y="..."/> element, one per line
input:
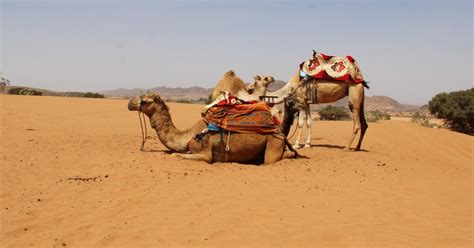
<point x="407" y="50"/>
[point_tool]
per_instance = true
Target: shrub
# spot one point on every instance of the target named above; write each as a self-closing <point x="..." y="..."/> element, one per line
<point x="209" y="99"/>
<point x="376" y="115"/>
<point x="93" y="95"/>
<point x="334" y="113"/>
<point x="184" y="100"/>
<point x="14" y="91"/>
<point x="24" y="91"/>
<point x="456" y="109"/>
<point x="422" y="119"/>
<point x="30" y="92"/>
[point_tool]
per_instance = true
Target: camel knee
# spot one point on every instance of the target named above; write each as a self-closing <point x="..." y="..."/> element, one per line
<point x="357" y="129"/>
<point x="309" y="122"/>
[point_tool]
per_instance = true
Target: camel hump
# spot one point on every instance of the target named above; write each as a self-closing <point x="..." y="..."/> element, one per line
<point x="229" y="73"/>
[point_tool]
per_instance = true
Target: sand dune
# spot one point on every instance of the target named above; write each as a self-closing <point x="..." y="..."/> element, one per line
<point x="73" y="175"/>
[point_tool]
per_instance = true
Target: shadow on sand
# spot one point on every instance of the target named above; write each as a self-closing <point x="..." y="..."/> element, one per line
<point x="336" y="147"/>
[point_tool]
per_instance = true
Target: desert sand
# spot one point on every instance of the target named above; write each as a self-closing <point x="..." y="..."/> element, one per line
<point x="72" y="175"/>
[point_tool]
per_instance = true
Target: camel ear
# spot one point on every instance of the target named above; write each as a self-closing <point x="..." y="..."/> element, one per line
<point x="156" y="98"/>
<point x="257" y="78"/>
<point x="314" y="53"/>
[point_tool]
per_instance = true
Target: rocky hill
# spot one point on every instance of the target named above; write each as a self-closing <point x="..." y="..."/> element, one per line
<point x="190" y="93"/>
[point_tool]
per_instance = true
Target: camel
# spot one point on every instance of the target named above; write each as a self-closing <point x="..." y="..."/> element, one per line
<point x="210" y="147"/>
<point x="235" y="86"/>
<point x="326" y="91"/>
<point x="160" y="120"/>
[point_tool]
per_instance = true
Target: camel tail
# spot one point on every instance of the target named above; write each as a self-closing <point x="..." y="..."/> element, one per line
<point x="365" y="84"/>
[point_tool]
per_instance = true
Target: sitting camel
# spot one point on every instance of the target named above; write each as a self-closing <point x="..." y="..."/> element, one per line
<point x="160" y="120"/>
<point x="244" y="147"/>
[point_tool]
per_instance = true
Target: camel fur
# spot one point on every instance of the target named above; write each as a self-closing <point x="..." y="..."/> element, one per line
<point x="160" y="120"/>
<point x="235" y="86"/>
<point x="211" y="147"/>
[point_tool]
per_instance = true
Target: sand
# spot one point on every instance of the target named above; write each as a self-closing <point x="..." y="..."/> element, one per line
<point x="72" y="175"/>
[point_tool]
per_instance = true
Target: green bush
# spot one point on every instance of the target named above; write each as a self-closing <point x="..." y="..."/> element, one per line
<point x="93" y="95"/>
<point x="209" y="99"/>
<point x="30" y="92"/>
<point x="14" y="91"/>
<point x="24" y="92"/>
<point x="456" y="109"/>
<point x="334" y="113"/>
<point x="376" y="115"/>
<point x="422" y="119"/>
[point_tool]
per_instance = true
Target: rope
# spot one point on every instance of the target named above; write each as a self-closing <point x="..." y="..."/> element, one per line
<point x="144" y="133"/>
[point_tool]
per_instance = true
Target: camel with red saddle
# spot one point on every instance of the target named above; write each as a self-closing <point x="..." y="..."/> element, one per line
<point x="324" y="79"/>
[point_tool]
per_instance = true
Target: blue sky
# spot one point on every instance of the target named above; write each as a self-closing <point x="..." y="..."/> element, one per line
<point x="408" y="50"/>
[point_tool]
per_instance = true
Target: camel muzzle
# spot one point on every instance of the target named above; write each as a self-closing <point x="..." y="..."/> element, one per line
<point x="132" y="106"/>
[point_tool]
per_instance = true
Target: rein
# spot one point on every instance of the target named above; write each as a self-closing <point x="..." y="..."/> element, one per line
<point x="144" y="133"/>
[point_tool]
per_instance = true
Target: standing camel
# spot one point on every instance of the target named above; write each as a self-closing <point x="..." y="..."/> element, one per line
<point x="244" y="147"/>
<point x="324" y="91"/>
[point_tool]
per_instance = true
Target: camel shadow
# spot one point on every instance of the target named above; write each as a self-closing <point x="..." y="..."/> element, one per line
<point x="155" y="150"/>
<point x="336" y="147"/>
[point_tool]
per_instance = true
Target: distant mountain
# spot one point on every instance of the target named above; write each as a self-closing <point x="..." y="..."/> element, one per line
<point x="190" y="93"/>
<point x="193" y="93"/>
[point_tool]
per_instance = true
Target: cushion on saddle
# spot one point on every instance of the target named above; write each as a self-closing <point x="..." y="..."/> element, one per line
<point x="242" y="118"/>
<point x="337" y="68"/>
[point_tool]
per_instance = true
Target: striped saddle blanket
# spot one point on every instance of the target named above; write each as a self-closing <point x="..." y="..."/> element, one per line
<point x="242" y="117"/>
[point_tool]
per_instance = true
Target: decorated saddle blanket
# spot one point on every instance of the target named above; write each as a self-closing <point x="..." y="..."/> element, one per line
<point x="236" y="115"/>
<point x="322" y="66"/>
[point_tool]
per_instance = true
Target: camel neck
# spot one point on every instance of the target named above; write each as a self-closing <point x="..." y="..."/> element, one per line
<point x="281" y="93"/>
<point x="287" y="121"/>
<point x="285" y="90"/>
<point x="169" y="135"/>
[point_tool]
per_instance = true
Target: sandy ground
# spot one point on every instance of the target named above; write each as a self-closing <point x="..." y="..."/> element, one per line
<point x="73" y="175"/>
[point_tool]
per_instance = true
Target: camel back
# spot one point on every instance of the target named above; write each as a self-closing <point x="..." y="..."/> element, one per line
<point x="323" y="66"/>
<point x="242" y="118"/>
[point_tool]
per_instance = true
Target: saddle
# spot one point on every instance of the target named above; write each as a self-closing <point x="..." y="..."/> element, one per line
<point x="233" y="114"/>
<point x="322" y="66"/>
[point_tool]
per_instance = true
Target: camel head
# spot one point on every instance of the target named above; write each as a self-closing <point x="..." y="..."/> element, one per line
<point x="260" y="85"/>
<point x="148" y="103"/>
<point x="294" y="104"/>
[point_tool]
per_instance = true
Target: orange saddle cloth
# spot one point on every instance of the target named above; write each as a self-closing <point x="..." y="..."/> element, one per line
<point x="243" y="118"/>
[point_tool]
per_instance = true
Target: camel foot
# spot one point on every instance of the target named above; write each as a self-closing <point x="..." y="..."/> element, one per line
<point x="174" y="155"/>
<point x="347" y="149"/>
<point x="307" y="145"/>
<point x="297" y="146"/>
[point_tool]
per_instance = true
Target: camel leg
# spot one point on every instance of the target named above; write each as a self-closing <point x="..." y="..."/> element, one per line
<point x="356" y="100"/>
<point x="309" y="122"/>
<point x="355" y="127"/>
<point x="299" y="129"/>
<point x="364" y="126"/>
<point x="274" y="150"/>
<point x="193" y="156"/>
